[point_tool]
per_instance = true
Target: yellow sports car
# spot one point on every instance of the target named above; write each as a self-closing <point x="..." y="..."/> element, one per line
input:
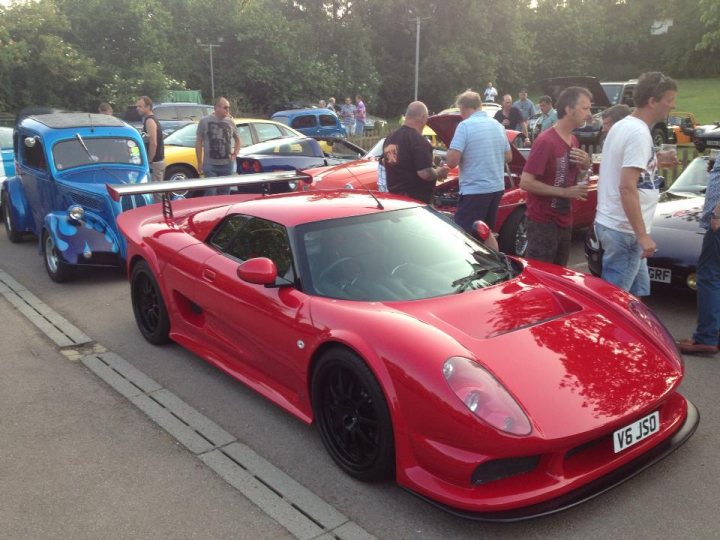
<point x="180" y="159"/>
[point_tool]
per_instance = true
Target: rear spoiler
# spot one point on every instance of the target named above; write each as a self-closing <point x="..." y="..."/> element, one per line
<point x="116" y="191"/>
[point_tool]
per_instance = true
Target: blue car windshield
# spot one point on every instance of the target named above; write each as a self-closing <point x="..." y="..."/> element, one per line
<point x="397" y="255"/>
<point x="82" y="151"/>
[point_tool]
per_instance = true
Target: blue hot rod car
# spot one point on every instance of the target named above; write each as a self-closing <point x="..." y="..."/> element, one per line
<point x="58" y="192"/>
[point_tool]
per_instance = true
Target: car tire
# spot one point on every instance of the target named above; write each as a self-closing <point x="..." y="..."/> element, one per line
<point x="179" y="172"/>
<point x="658" y="137"/>
<point x="58" y="270"/>
<point x="352" y="416"/>
<point x="13" y="234"/>
<point x="513" y="235"/>
<point x="151" y="315"/>
<point x="700" y="146"/>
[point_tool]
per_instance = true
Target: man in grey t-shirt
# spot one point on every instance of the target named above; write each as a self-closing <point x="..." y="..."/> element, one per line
<point x="217" y="144"/>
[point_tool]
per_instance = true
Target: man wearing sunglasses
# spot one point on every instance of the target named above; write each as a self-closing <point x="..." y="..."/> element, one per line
<point x="217" y="144"/>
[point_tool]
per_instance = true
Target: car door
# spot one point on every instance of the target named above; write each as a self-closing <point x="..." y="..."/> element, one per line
<point x="306" y="124"/>
<point x="329" y="125"/>
<point x="34" y="175"/>
<point x="258" y="328"/>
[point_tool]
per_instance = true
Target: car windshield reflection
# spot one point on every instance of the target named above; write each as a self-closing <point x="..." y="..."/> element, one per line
<point x="402" y="255"/>
<point x="79" y="151"/>
<point x="693" y="179"/>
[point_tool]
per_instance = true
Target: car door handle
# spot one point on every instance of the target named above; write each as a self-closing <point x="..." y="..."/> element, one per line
<point x="208" y="275"/>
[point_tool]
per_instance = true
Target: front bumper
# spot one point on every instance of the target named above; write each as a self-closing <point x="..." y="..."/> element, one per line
<point x="591" y="489"/>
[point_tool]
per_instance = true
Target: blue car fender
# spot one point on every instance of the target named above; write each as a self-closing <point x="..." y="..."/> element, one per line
<point x="78" y="240"/>
<point x="19" y="206"/>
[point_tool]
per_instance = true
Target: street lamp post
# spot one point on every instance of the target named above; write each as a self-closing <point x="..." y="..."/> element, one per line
<point x="212" y="71"/>
<point x="417" y="49"/>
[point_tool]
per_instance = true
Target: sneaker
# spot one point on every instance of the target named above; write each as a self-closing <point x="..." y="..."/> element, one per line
<point x="688" y="346"/>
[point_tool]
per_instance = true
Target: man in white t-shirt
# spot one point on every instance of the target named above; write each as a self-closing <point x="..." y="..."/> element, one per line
<point x="629" y="186"/>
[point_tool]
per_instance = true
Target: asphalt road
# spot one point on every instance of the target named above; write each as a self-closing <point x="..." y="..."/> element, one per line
<point x="677" y="498"/>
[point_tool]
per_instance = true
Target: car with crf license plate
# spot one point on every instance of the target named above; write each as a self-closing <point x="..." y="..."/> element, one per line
<point x="58" y="192"/>
<point x="493" y="387"/>
<point x="675" y="229"/>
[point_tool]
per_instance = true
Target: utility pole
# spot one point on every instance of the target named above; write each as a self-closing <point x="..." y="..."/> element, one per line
<point x="212" y="71"/>
<point x="417" y="49"/>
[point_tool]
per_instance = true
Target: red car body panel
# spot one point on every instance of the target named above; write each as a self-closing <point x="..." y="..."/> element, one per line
<point x="567" y="346"/>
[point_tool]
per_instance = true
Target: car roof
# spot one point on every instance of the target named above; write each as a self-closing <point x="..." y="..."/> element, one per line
<point x="295" y="112"/>
<point x="71" y="120"/>
<point x="292" y="209"/>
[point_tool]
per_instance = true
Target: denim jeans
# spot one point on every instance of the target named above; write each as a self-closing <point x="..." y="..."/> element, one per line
<point x="349" y="127"/>
<point x="622" y="264"/>
<point x="708" y="290"/>
<point x="359" y="128"/>
<point x="211" y="171"/>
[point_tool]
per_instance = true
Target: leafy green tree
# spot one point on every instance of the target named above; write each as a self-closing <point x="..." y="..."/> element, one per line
<point x="37" y="67"/>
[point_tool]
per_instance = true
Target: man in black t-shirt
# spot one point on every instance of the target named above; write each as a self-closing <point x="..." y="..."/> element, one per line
<point x="511" y="117"/>
<point x="408" y="159"/>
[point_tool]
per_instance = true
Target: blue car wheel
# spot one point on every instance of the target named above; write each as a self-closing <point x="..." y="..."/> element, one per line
<point x="58" y="270"/>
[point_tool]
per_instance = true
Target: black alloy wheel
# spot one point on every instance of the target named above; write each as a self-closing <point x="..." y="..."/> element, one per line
<point x="148" y="305"/>
<point x="352" y="416"/>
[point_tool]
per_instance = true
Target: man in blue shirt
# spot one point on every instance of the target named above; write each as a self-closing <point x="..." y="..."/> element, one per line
<point x="527" y="107"/>
<point x="705" y="338"/>
<point x="480" y="147"/>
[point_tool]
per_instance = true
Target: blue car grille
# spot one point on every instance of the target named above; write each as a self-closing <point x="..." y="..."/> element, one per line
<point x="87" y="201"/>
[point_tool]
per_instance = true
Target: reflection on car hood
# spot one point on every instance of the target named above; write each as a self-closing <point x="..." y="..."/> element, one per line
<point x="544" y="339"/>
<point x="682" y="214"/>
<point x="554" y="86"/>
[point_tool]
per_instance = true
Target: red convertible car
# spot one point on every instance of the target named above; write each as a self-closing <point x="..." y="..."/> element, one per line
<point x="492" y="387"/>
<point x="510" y="225"/>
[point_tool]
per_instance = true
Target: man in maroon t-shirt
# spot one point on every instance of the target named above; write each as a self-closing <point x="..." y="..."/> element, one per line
<point x="408" y="158"/>
<point x="556" y="173"/>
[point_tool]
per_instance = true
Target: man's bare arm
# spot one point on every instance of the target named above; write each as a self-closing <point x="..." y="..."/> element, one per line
<point x="630" y="198"/>
<point x="453" y="158"/>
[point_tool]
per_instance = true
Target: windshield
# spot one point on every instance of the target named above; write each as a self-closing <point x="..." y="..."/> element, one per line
<point x="612" y="91"/>
<point x="185" y="136"/>
<point x="694" y="178"/>
<point x="81" y="151"/>
<point x="407" y="254"/>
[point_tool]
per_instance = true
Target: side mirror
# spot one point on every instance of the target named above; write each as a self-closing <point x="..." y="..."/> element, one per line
<point x="30" y="141"/>
<point x="260" y="271"/>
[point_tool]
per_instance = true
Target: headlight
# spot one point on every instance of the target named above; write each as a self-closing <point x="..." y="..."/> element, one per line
<point x="699" y="131"/>
<point x="485" y="396"/>
<point x="349" y="186"/>
<point x="76" y="212"/>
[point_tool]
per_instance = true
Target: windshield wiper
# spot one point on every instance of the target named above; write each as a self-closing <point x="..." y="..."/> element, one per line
<point x="82" y="142"/>
<point x="466" y="282"/>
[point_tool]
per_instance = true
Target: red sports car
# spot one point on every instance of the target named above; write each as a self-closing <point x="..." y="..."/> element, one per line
<point x="510" y="225"/>
<point x="493" y="387"/>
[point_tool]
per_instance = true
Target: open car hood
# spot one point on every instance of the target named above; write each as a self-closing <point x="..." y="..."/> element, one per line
<point x="553" y="87"/>
<point x="446" y="124"/>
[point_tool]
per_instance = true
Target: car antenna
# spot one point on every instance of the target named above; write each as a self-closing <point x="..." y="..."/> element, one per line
<point x="379" y="204"/>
